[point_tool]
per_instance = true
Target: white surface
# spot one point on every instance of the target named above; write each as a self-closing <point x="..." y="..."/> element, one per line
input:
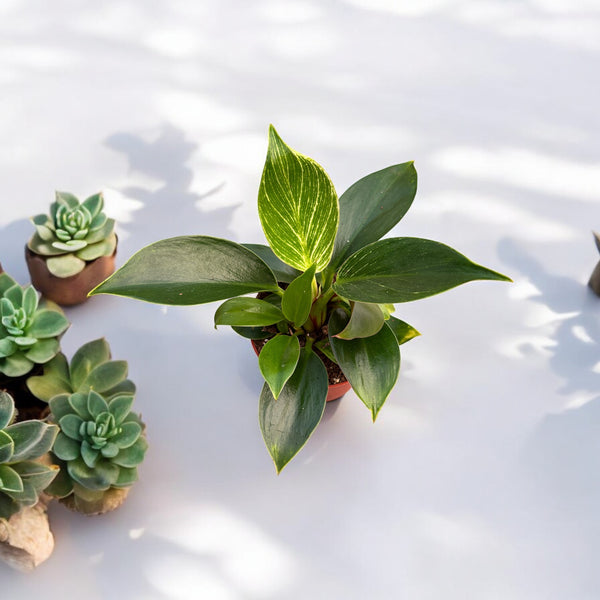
<point x="480" y="478"/>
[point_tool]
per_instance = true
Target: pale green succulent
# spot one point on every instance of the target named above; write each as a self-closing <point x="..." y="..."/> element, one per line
<point x="73" y="234"/>
<point x="99" y="447"/>
<point x="91" y="368"/>
<point x="28" y="332"/>
<point x="22" y="479"/>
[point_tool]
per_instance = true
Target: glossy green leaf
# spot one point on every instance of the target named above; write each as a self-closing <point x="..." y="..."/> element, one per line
<point x="297" y="206"/>
<point x="366" y="320"/>
<point x="298" y="298"/>
<point x="283" y="272"/>
<point x="371" y="207"/>
<point x="277" y="361"/>
<point x="403" y="331"/>
<point x="7" y="409"/>
<point x="371" y="364"/>
<point x="190" y="270"/>
<point x="288" y="422"/>
<point x="247" y="312"/>
<point x="253" y="333"/>
<point x="405" y="269"/>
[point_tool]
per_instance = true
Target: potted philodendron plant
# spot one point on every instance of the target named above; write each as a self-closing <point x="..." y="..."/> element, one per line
<point x="327" y="284"/>
<point x="594" y="282"/>
<point x="101" y="442"/>
<point x="29" y="337"/>
<point x="73" y="248"/>
<point x="25" y="537"/>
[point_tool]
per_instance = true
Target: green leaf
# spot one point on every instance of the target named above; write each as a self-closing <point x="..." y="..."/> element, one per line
<point x="288" y="422"/>
<point x="62" y="485"/>
<point x="66" y="448"/>
<point x="298" y="298"/>
<point x="32" y="439"/>
<point x="127" y="477"/>
<point x="15" y="365"/>
<point x="90" y="355"/>
<point x="277" y="361"/>
<point x="102" y="248"/>
<point x="190" y="270"/>
<point x="96" y="404"/>
<point x="132" y="455"/>
<point x="102" y="233"/>
<point x="15" y="295"/>
<point x="101" y="477"/>
<point x="60" y="406"/>
<point x="54" y="381"/>
<point x="30" y="300"/>
<point x="119" y="407"/>
<point x="8" y="507"/>
<point x="7" y="409"/>
<point x="79" y="403"/>
<point x="43" y="350"/>
<point x="67" y="199"/>
<point x="297" y="206"/>
<point x="65" y="265"/>
<point x="124" y="387"/>
<point x="70" y="425"/>
<point x="90" y="455"/>
<point x="37" y="474"/>
<point x="403" y="331"/>
<point x="94" y="204"/>
<point x="7" y="447"/>
<point x="47" y="323"/>
<point x="7" y="347"/>
<point x="106" y="376"/>
<point x="130" y="432"/>
<point x="10" y="481"/>
<point x="244" y="312"/>
<point x="371" y="207"/>
<point x="370" y="364"/>
<point x="405" y="269"/>
<point x="6" y="282"/>
<point x="253" y="333"/>
<point x="366" y="320"/>
<point x="283" y="272"/>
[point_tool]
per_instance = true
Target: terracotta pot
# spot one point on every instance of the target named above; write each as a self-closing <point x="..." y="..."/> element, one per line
<point x="335" y="390"/>
<point x="68" y="291"/>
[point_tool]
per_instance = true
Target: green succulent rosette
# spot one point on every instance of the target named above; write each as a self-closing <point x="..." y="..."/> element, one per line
<point x="29" y="330"/>
<point x="22" y="477"/>
<point x="98" y="449"/>
<point x="73" y="234"/>
<point x="91" y="368"/>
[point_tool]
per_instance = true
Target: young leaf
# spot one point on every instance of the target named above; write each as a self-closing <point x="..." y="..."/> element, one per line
<point x="371" y="207"/>
<point x="252" y="333"/>
<point x="288" y="422"/>
<point x="277" y="361"/>
<point x="297" y="206"/>
<point x="190" y="270"/>
<point x="366" y="320"/>
<point x="405" y="269"/>
<point x="297" y="298"/>
<point x="403" y="331"/>
<point x="244" y="312"/>
<point x="371" y="364"/>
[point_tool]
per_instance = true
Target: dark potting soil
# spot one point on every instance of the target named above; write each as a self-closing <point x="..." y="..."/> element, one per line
<point x="27" y="405"/>
<point x="334" y="373"/>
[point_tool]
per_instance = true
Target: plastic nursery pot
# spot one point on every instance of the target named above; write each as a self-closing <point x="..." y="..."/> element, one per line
<point x="335" y="390"/>
<point x="68" y="291"/>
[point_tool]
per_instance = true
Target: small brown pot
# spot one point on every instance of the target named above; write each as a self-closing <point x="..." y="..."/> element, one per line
<point x="335" y="390"/>
<point x="68" y="291"/>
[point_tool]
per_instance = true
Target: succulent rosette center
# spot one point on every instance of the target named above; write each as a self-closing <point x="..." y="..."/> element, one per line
<point x="72" y="224"/>
<point x="99" y="432"/>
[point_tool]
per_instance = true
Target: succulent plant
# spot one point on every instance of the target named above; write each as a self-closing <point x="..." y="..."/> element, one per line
<point x="91" y="368"/>
<point x="29" y="331"/>
<point x="73" y="234"/>
<point x="341" y="278"/>
<point x="22" y="478"/>
<point x="98" y="449"/>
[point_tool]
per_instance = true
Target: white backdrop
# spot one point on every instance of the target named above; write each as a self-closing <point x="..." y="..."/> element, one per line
<point x="480" y="479"/>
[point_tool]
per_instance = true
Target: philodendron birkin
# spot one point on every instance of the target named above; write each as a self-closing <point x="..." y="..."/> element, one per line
<point x="342" y="282"/>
